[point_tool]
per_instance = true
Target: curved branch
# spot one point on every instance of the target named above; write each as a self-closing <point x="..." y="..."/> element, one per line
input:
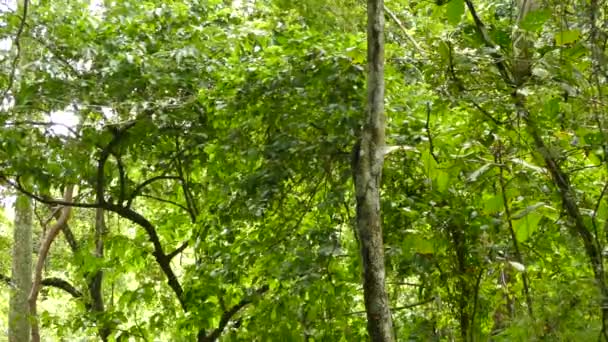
<point x="118" y="134"/>
<point x="499" y="61"/>
<point x="227" y="316"/>
<point x="17" y="42"/>
<point x="48" y="124"/>
<point x="17" y="186"/>
<point x="62" y="285"/>
<point x="159" y="255"/>
<point x="166" y="201"/>
<point x="145" y="183"/>
<point x="43" y="253"/>
<point x="50" y="282"/>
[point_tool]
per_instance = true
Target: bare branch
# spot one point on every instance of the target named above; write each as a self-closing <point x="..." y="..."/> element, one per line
<point x="181" y="206"/>
<point x="147" y="182"/>
<point x="50" y="282"/>
<point x="227" y="316"/>
<point x="499" y="61"/>
<point x="17" y="42"/>
<point x="407" y="35"/>
<point x="178" y="250"/>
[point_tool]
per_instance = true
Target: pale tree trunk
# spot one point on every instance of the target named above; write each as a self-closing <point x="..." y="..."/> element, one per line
<point x="21" y="277"/>
<point x="368" y="159"/>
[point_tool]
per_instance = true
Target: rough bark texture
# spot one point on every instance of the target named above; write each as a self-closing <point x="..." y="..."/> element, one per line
<point x="21" y="278"/>
<point x="368" y="159"/>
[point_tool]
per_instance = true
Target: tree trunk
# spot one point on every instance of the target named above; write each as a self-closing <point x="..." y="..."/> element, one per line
<point x="368" y="159"/>
<point x="19" y="325"/>
<point x="96" y="281"/>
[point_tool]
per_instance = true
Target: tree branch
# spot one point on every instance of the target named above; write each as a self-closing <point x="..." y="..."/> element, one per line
<point x="50" y="282"/>
<point x="42" y="255"/>
<point x="166" y="201"/>
<point x="404" y="307"/>
<point x="407" y="35"/>
<point x="227" y="315"/>
<point x="17" y="42"/>
<point x="178" y="250"/>
<point x="105" y="154"/>
<point x="145" y="183"/>
<point x="17" y="185"/>
<point x="499" y="61"/>
<point x="159" y="255"/>
<point x="122" y="178"/>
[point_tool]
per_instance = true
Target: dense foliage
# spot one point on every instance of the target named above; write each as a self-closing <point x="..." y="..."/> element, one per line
<point x="211" y="144"/>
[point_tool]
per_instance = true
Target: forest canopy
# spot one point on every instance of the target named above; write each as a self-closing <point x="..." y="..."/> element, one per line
<point x="273" y="170"/>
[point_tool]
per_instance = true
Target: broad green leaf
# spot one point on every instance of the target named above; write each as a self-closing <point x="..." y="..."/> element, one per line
<point x="526" y="226"/>
<point x="454" y="11"/>
<point x="443" y="181"/>
<point x="535" y="20"/>
<point x="567" y="37"/>
<point x="494" y="204"/>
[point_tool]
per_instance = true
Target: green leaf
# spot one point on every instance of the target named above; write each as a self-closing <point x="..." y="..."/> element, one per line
<point x="526" y="226"/>
<point x="493" y="204"/>
<point x="567" y="37"/>
<point x="443" y="181"/>
<point x="527" y="210"/>
<point x="454" y="11"/>
<point x="535" y="20"/>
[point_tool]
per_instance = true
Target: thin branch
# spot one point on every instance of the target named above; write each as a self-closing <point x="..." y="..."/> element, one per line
<point x="486" y="114"/>
<point x="122" y="178"/>
<point x="181" y="206"/>
<point x="17" y="186"/>
<point x="404" y="307"/>
<point x="192" y="209"/>
<point x="514" y="240"/>
<point x="147" y="182"/>
<point x="227" y="316"/>
<point x="476" y="300"/>
<point x="428" y="132"/>
<point x="595" y="210"/>
<point x="404" y="30"/>
<point x="56" y="55"/>
<point x="50" y="282"/>
<point x="497" y="57"/>
<point x="17" y="42"/>
<point x="413" y="305"/>
<point x="118" y="133"/>
<point x="42" y="124"/>
<point x="178" y="250"/>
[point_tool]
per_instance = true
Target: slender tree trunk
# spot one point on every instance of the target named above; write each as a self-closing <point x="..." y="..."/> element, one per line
<point x="368" y="159"/>
<point x="19" y="324"/>
<point x="96" y="281"/>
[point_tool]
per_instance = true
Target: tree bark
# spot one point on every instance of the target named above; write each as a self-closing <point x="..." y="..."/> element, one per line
<point x="96" y="281"/>
<point x="19" y="325"/>
<point x="368" y="159"/>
